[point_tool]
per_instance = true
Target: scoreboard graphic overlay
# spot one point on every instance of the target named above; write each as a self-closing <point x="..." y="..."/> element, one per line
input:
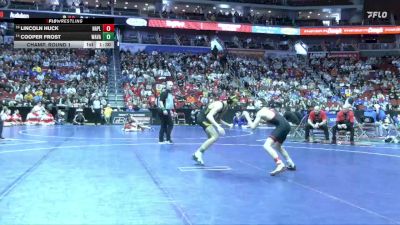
<point x="96" y="33"/>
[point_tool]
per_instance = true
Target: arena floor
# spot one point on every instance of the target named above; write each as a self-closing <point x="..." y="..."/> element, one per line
<point x="101" y="175"/>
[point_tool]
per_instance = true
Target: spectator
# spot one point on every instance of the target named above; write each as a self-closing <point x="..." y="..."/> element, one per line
<point x="19" y="97"/>
<point x="16" y="118"/>
<point x="60" y="117"/>
<point x="79" y="118"/>
<point x="107" y="114"/>
<point x="380" y="119"/>
<point x="239" y="120"/>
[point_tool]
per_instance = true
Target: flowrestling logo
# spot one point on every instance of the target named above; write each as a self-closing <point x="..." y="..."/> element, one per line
<point x="377" y="14"/>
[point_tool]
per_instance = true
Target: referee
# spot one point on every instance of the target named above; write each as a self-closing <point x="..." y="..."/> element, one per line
<point x="96" y="109"/>
<point x="3" y="116"/>
<point x="166" y="105"/>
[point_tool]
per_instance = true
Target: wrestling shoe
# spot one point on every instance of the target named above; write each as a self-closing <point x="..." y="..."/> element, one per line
<point x="291" y="166"/>
<point x="279" y="169"/>
<point x="198" y="157"/>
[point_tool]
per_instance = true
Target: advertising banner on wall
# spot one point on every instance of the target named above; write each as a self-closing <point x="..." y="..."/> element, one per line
<point x="121" y="117"/>
<point x="350" y="30"/>
<point x="343" y="55"/>
<point x="247" y="52"/>
<point x="306" y="31"/>
<point x="197" y="25"/>
<point x="316" y="55"/>
<point x="276" y="30"/>
<point x="338" y="54"/>
<point x="134" y="47"/>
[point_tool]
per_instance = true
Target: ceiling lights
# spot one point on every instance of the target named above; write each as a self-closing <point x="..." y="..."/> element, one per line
<point x="224" y="6"/>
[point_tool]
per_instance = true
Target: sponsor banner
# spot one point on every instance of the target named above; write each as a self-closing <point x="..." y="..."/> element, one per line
<point x="351" y="30"/>
<point x="192" y="25"/>
<point x="331" y="118"/>
<point x="322" y="31"/>
<point x="343" y="55"/>
<point x="136" y="22"/>
<point x="133" y="47"/>
<point x="278" y="54"/>
<point x="247" y="52"/>
<point x="230" y="27"/>
<point x="19" y="15"/>
<point x="276" y="30"/>
<point x="121" y="117"/>
<point x="315" y="55"/>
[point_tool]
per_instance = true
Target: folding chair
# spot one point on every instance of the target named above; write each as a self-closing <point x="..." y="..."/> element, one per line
<point x="298" y="130"/>
<point x="368" y="128"/>
<point x="358" y="130"/>
<point x="181" y="118"/>
<point x="390" y="127"/>
<point x="343" y="135"/>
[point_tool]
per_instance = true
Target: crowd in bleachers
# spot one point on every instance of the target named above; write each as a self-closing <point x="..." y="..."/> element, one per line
<point x="288" y="82"/>
<point x="58" y="77"/>
<point x="62" y="76"/>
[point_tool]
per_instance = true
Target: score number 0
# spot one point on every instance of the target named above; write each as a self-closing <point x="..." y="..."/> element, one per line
<point x="108" y="27"/>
